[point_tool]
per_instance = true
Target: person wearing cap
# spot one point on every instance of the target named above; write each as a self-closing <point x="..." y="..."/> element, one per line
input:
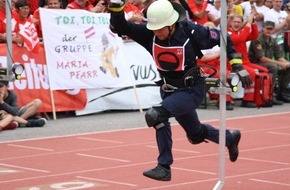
<point x="26" y="115"/>
<point x="262" y="51"/>
<point x="174" y="43"/>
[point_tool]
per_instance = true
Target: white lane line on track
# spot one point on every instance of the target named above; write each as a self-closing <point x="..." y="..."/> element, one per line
<point x="8" y="171"/>
<point x="105" y="158"/>
<point x="212" y="179"/>
<point x="101" y="140"/>
<point x="138" y="164"/>
<point x="135" y="144"/>
<point x="29" y="147"/>
<point x="279" y="133"/>
<point x="107" y="181"/>
<point x="266" y="161"/>
<point x="178" y="150"/>
<point x="265" y="148"/>
<point x="76" y="172"/>
<point x="179" y="184"/>
<point x="260" y="172"/>
<point x="78" y="150"/>
<point x="24" y="168"/>
<point x="270" y="182"/>
<point x="196" y="171"/>
<point x="145" y="127"/>
<point x="265" y="129"/>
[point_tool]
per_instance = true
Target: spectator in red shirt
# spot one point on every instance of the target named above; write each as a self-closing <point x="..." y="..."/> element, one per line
<point x="51" y="4"/>
<point x="33" y="5"/>
<point x="43" y="3"/>
<point x="199" y="10"/>
<point x="240" y="35"/>
<point x="139" y="4"/>
<point x="3" y="22"/>
<point x="24" y="28"/>
<point x="132" y="13"/>
<point x="87" y="5"/>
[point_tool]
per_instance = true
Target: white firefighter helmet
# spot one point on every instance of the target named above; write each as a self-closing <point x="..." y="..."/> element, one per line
<point x="163" y="13"/>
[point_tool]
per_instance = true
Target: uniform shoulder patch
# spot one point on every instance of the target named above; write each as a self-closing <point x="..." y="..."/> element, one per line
<point x="259" y="47"/>
<point x="213" y="34"/>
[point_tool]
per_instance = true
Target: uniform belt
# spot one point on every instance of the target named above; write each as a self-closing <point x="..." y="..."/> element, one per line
<point x="187" y="81"/>
<point x="176" y="83"/>
<point x="171" y="85"/>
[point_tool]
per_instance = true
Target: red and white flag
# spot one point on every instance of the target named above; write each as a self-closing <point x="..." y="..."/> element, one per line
<point x="29" y="35"/>
<point x="89" y="32"/>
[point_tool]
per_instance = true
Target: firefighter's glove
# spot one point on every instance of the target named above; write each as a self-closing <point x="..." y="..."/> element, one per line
<point x="243" y="75"/>
<point x="237" y="67"/>
<point x="116" y="6"/>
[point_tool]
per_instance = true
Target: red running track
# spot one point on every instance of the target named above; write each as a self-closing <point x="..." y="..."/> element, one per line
<point x="115" y="160"/>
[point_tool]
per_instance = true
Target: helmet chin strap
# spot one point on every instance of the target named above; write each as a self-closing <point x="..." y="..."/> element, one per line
<point x="171" y="30"/>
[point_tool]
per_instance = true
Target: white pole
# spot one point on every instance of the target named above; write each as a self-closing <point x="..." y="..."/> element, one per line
<point x="8" y="8"/>
<point x="223" y="65"/>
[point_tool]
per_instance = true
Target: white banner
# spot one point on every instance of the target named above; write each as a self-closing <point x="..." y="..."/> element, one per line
<point x="81" y="51"/>
<point x="143" y="72"/>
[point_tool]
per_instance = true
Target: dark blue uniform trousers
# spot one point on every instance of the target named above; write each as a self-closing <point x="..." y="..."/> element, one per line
<point x="182" y="105"/>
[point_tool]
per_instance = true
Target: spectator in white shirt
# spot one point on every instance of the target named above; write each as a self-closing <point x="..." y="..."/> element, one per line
<point x="248" y="7"/>
<point x="277" y="16"/>
<point x="214" y="14"/>
<point x="260" y="10"/>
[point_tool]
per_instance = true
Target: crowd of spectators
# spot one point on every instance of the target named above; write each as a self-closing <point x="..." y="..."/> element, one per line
<point x="247" y="28"/>
<point x="246" y="20"/>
